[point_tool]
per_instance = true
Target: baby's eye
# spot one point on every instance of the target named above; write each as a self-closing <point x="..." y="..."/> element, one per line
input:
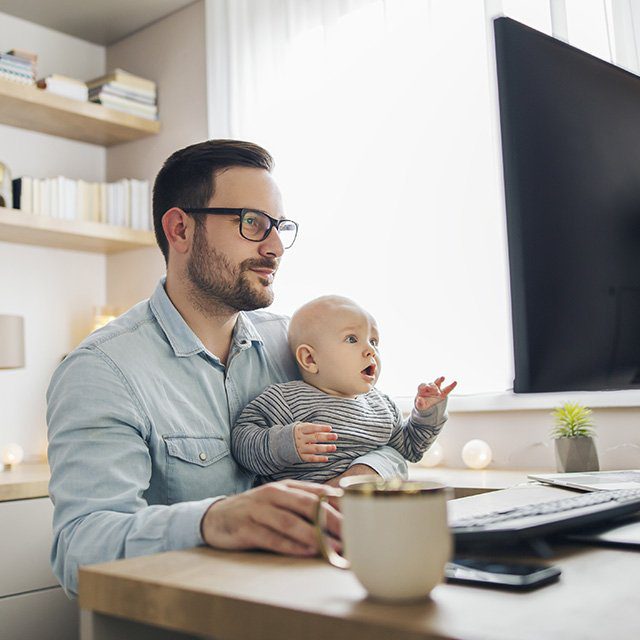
<point x="374" y="342"/>
<point x="351" y="339"/>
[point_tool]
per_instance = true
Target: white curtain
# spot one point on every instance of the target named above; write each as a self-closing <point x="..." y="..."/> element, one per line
<point x="382" y="118"/>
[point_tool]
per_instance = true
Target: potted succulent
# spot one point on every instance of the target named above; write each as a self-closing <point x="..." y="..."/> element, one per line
<point x="573" y="432"/>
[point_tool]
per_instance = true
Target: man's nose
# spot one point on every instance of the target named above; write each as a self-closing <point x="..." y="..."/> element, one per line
<point x="272" y="245"/>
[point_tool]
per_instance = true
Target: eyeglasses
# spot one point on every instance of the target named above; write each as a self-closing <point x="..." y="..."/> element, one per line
<point x="256" y="225"/>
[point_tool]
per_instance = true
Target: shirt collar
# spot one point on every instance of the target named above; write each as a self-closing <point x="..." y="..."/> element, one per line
<point x="245" y="333"/>
<point x="182" y="339"/>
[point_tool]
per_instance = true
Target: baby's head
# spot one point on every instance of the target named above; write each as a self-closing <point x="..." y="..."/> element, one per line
<point x="335" y="343"/>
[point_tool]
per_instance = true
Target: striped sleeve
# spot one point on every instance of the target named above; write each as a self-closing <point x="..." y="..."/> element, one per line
<point x="416" y="434"/>
<point x="262" y="439"/>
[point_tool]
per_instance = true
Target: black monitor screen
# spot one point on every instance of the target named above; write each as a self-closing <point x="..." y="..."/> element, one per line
<point x="571" y="152"/>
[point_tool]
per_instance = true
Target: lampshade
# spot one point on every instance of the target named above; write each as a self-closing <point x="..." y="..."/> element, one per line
<point x="11" y="342"/>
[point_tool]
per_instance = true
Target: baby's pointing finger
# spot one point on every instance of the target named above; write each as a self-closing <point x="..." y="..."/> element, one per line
<point x="448" y="389"/>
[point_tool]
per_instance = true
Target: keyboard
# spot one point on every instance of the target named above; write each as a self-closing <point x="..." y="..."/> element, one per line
<point x="545" y="518"/>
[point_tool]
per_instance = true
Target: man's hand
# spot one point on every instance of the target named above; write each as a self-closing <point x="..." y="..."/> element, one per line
<point x="308" y="435"/>
<point x="277" y="517"/>
<point x="429" y="395"/>
<point x="354" y="470"/>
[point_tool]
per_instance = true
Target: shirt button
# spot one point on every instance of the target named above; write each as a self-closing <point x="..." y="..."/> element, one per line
<point x="203" y="456"/>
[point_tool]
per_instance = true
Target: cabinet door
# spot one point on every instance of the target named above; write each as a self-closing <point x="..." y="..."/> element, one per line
<point x="42" y="615"/>
<point x="25" y="545"/>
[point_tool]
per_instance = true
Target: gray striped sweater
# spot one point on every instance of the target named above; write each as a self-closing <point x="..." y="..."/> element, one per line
<point x="262" y="439"/>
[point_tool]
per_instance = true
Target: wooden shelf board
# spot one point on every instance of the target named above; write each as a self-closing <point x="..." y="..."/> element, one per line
<point x="26" y="228"/>
<point x="30" y="108"/>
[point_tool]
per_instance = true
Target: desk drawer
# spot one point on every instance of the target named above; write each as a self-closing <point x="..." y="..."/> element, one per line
<point x="41" y="615"/>
<point x="25" y="544"/>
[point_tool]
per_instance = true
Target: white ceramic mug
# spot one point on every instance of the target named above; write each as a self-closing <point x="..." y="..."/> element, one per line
<point x="395" y="535"/>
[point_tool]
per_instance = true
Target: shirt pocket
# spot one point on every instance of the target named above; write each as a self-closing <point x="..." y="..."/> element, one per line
<point x="196" y="467"/>
<point x="202" y="451"/>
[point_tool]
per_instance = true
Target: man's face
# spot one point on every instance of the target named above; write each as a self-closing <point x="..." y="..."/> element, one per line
<point x="225" y="268"/>
<point x="346" y="352"/>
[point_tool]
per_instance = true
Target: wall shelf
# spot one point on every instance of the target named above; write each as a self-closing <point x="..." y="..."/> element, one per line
<point x="79" y="235"/>
<point x="30" y="108"/>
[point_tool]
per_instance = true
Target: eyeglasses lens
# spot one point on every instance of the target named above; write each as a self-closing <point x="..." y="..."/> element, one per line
<point x="287" y="231"/>
<point x="256" y="226"/>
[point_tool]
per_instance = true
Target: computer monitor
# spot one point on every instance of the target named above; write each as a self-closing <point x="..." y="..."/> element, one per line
<point x="570" y="126"/>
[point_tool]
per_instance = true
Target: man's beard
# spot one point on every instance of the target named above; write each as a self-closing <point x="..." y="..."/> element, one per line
<point x="216" y="282"/>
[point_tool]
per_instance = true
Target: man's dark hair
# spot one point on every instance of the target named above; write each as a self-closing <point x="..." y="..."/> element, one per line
<point x="187" y="178"/>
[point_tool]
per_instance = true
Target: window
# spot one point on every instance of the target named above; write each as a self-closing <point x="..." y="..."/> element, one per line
<point x="382" y="118"/>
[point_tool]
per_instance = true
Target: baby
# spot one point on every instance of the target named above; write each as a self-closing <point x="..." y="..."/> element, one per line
<point x="314" y="428"/>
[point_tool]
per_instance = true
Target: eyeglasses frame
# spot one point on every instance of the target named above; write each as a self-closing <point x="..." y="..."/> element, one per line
<point x="226" y="211"/>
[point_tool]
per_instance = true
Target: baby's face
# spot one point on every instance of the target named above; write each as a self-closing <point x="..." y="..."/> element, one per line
<point x="346" y="351"/>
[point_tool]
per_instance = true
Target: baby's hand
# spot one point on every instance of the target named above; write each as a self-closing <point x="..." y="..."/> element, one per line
<point x="308" y="435"/>
<point x="429" y="395"/>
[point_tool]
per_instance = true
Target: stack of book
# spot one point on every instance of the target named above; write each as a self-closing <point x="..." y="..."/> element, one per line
<point x="63" y="86"/>
<point x="18" y="66"/>
<point x="125" y="203"/>
<point x="126" y="92"/>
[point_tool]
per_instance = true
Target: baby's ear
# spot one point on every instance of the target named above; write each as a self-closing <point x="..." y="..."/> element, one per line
<point x="306" y="358"/>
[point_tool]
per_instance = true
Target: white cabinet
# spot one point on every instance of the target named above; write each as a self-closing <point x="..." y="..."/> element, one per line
<point x="39" y="615"/>
<point x="32" y="605"/>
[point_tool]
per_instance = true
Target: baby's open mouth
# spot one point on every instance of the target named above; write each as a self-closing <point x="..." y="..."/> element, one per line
<point x="370" y="370"/>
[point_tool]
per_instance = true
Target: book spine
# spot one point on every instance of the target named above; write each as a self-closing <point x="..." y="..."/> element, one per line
<point x="112" y="88"/>
<point x="37" y="188"/>
<point x="26" y="200"/>
<point x="16" y="186"/>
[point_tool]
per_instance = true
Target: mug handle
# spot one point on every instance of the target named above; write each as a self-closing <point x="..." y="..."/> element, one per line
<point x="326" y="550"/>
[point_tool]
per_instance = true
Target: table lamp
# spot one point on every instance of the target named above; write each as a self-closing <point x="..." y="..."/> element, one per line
<point x="11" y="342"/>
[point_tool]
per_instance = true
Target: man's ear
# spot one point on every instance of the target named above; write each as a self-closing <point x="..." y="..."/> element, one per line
<point x="178" y="229"/>
<point x="305" y="356"/>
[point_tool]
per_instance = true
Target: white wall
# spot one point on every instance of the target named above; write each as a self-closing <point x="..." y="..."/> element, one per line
<point x="520" y="439"/>
<point x="54" y="290"/>
<point x="171" y="52"/>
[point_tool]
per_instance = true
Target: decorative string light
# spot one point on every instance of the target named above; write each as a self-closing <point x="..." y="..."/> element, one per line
<point x="433" y="456"/>
<point x="12" y="454"/>
<point x="476" y="454"/>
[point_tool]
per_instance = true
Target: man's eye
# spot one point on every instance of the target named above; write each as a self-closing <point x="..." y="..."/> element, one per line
<point x="351" y="339"/>
<point x="250" y="220"/>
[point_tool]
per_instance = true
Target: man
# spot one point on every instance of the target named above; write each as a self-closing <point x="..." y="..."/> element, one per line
<point x="140" y="413"/>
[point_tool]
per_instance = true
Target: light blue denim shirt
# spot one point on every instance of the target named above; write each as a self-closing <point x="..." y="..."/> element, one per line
<point x="140" y="416"/>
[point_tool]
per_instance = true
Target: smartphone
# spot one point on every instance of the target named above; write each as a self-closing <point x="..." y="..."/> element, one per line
<point x="502" y="575"/>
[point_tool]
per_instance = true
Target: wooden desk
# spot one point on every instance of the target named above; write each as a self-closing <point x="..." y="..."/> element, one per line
<point x="241" y="596"/>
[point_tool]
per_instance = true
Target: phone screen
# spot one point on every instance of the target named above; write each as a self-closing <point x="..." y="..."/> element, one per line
<point x="490" y="573"/>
